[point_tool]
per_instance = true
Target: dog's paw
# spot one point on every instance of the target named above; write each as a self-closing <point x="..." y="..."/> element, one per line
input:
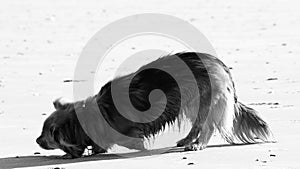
<point x="96" y="151"/>
<point x="195" y="147"/>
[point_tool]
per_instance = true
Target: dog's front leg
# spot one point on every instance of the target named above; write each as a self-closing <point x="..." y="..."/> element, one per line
<point x="97" y="149"/>
<point x="73" y="152"/>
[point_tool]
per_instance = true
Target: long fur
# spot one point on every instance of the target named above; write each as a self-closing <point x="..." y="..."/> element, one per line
<point x="207" y="98"/>
<point x="248" y="126"/>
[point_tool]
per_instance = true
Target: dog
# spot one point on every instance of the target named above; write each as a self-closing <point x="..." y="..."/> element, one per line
<point x="198" y="86"/>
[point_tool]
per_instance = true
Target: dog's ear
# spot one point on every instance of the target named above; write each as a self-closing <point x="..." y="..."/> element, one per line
<point x="60" y="104"/>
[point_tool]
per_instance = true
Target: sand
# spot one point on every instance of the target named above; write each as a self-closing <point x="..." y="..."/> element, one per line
<point x="42" y="40"/>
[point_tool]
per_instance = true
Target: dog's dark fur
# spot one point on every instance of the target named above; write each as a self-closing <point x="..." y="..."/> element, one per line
<point x="211" y="88"/>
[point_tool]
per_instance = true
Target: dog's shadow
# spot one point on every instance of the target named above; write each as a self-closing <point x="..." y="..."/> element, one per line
<point x="30" y="161"/>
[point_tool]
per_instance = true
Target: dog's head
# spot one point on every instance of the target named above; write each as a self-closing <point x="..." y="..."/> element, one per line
<point x="61" y="130"/>
<point x="51" y="132"/>
<point x="48" y="139"/>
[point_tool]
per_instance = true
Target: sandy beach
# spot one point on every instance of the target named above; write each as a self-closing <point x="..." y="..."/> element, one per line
<point x="42" y="40"/>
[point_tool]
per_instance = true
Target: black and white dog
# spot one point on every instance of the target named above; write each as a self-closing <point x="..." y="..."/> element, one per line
<point x="208" y="99"/>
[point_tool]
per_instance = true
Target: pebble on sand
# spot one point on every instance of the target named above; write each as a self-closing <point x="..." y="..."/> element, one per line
<point x="273" y="78"/>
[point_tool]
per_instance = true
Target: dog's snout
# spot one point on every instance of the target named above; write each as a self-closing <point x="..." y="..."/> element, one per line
<point x="42" y="142"/>
<point x="38" y="140"/>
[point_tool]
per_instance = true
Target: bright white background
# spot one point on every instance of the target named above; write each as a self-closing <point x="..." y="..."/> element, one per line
<point x="40" y="42"/>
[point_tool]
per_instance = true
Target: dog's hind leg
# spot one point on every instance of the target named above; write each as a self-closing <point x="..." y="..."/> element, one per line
<point x="206" y="131"/>
<point x="193" y="134"/>
<point x="201" y="142"/>
<point x="220" y="117"/>
<point x="201" y="117"/>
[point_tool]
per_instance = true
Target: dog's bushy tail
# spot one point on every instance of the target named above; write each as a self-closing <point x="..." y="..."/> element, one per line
<point x="248" y="126"/>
